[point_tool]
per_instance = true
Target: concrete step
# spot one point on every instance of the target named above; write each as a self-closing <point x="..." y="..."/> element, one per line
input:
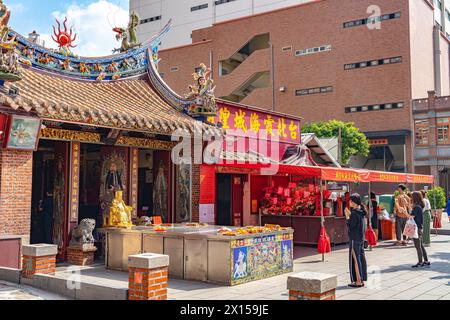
<point x="83" y="283"/>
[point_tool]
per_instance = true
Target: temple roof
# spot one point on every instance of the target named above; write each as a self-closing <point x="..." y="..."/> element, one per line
<point x="129" y="104"/>
<point x="118" y="91"/>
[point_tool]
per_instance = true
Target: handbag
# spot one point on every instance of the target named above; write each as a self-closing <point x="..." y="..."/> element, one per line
<point x="411" y="230"/>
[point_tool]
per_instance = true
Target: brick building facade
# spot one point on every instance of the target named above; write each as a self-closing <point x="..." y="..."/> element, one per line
<point x="432" y="137"/>
<point x="328" y="59"/>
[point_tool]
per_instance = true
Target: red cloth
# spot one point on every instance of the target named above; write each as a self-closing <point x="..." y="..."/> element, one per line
<point x="324" y="244"/>
<point x="370" y="236"/>
<point x="437" y="220"/>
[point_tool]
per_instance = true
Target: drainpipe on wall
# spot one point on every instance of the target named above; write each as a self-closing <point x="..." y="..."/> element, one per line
<point x="272" y="58"/>
<point x="211" y="64"/>
<point x="437" y="61"/>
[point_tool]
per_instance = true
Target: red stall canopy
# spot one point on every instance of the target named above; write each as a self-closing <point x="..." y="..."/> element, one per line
<point x="340" y="175"/>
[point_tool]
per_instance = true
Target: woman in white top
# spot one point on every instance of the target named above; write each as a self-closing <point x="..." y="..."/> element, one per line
<point x="426" y="220"/>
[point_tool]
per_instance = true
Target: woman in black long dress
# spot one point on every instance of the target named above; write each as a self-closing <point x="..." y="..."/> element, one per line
<point x="356" y="224"/>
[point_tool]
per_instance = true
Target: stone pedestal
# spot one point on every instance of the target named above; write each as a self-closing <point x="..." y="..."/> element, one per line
<point x="312" y="286"/>
<point x="148" y="276"/>
<point x="38" y="258"/>
<point x="81" y="255"/>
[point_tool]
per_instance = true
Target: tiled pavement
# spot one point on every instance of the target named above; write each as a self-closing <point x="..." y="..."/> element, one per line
<point x="10" y="291"/>
<point x="391" y="278"/>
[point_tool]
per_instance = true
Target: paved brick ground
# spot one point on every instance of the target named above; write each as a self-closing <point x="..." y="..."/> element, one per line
<point x="391" y="278"/>
<point x="10" y="291"/>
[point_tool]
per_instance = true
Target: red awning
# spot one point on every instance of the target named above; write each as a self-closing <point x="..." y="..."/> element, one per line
<point x="336" y="174"/>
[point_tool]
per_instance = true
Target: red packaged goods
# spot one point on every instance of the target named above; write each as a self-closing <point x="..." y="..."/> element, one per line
<point x="289" y="201"/>
<point x="280" y="191"/>
<point x="287" y="192"/>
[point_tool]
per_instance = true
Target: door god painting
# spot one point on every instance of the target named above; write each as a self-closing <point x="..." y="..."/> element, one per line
<point x="184" y="193"/>
<point x="160" y="194"/>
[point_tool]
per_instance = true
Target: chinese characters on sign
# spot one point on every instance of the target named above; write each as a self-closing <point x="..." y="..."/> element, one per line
<point x="251" y="123"/>
<point x="75" y="177"/>
<point x="134" y="180"/>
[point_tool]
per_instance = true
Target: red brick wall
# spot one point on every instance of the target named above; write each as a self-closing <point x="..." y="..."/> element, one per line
<point x="15" y="192"/>
<point x="308" y="26"/>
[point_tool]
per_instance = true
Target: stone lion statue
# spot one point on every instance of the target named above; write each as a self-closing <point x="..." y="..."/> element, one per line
<point x="82" y="234"/>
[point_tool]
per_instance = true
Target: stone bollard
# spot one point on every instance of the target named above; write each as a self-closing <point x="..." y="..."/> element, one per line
<point x="312" y="286"/>
<point x="148" y="276"/>
<point x="81" y="255"/>
<point x="38" y="258"/>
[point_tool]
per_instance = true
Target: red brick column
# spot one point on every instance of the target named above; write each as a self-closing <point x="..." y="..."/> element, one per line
<point x="312" y="286"/>
<point x="39" y="258"/>
<point x="148" y="276"/>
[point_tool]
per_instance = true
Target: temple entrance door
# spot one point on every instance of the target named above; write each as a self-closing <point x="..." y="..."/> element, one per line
<point x="238" y="200"/>
<point x="42" y="195"/>
<point x="224" y="199"/>
<point x="49" y="220"/>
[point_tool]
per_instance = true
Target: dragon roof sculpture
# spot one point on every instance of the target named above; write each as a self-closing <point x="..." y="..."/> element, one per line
<point x="133" y="61"/>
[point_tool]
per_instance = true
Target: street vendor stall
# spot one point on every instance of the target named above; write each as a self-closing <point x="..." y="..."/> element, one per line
<point x="228" y="256"/>
<point x="306" y="203"/>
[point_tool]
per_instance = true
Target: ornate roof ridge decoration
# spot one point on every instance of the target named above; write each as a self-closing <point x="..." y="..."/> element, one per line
<point x="199" y="104"/>
<point x="61" y="111"/>
<point x="9" y="60"/>
<point x="126" y="64"/>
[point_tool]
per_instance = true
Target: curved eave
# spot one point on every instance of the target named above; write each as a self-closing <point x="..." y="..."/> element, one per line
<point x="137" y="57"/>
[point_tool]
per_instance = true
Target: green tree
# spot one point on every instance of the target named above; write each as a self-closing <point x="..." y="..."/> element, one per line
<point x="437" y="199"/>
<point x="354" y="142"/>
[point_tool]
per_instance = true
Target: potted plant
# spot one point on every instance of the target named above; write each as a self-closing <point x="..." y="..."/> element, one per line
<point x="438" y="202"/>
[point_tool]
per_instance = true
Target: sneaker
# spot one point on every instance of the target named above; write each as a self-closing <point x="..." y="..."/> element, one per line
<point x="426" y="264"/>
<point x="419" y="265"/>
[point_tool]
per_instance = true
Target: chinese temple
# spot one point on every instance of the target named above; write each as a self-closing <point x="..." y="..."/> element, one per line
<point x="75" y="130"/>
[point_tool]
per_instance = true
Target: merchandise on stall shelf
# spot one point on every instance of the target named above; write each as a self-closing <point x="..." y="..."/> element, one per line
<point x="290" y="201"/>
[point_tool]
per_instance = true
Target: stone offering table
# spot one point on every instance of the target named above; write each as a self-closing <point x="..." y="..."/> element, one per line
<point x="201" y="254"/>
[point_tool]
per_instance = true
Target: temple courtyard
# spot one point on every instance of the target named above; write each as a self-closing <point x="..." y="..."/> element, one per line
<point x="391" y="278"/>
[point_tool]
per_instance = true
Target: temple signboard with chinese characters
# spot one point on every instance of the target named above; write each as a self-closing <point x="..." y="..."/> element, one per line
<point x="240" y="120"/>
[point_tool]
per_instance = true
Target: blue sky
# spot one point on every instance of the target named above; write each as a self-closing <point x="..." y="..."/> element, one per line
<point x="92" y="20"/>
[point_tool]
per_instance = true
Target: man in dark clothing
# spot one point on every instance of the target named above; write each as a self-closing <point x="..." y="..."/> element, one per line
<point x="356" y="225"/>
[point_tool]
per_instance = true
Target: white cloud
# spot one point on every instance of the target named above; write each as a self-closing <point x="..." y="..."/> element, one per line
<point x="16" y="7"/>
<point x="93" y="24"/>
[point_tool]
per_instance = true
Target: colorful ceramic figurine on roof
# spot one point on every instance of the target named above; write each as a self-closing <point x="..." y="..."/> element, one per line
<point x="64" y="38"/>
<point x="202" y="93"/>
<point x="9" y="59"/>
<point x="128" y="36"/>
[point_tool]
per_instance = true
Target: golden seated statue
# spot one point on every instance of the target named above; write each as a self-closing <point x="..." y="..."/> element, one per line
<point x="119" y="213"/>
